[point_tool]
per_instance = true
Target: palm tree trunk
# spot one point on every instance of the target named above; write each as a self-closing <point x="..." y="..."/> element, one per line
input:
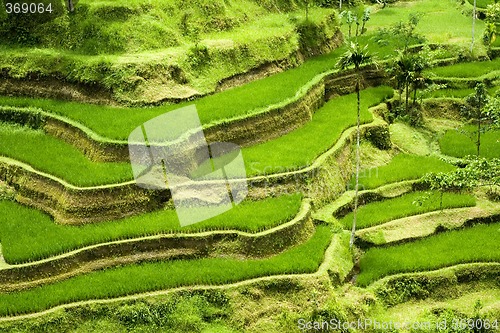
<point x="441" y="200"/>
<point x="71" y="6"/>
<point x="356" y="190"/>
<point x="407" y="92"/>
<point x="415" y="94"/>
<point x="478" y="143"/>
<point x="473" y="26"/>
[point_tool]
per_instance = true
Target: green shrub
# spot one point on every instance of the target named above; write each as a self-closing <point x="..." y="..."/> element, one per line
<point x="24" y="28"/>
<point x="313" y="36"/>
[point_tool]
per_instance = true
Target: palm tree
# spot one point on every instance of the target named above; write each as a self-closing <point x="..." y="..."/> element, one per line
<point x="489" y="35"/>
<point x="357" y="56"/>
<point x="402" y="70"/>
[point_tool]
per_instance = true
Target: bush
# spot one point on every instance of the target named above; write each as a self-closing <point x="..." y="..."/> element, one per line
<point x="311" y="37"/>
<point x="493" y="13"/>
<point x="198" y="56"/>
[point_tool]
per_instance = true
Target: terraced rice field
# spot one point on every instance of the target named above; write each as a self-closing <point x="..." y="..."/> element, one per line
<point x="64" y="167"/>
<point x="414" y="203"/>
<point x="468" y="70"/>
<point x="401" y="167"/>
<point x="29" y="235"/>
<point x="121" y="281"/>
<point x="475" y="244"/>
<point x="462" y="142"/>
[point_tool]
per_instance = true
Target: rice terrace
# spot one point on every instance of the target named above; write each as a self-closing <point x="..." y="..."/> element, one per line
<point x="250" y="166"/>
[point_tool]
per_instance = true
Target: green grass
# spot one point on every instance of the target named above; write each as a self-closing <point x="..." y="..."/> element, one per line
<point x="383" y="211"/>
<point x="467" y="70"/>
<point x="402" y="167"/>
<point x="482" y="3"/>
<point x="56" y="157"/>
<point x="475" y="244"/>
<point x="27" y="234"/>
<point x="304" y="258"/>
<point x="460" y="143"/>
<point x="440" y="22"/>
<point x="300" y="147"/>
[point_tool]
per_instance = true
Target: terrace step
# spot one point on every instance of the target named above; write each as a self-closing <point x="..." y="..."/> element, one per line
<point x="70" y="204"/>
<point x="398" y="288"/>
<point x="255" y="126"/>
<point x="345" y="203"/>
<point x="161" y="247"/>
<point x="423" y="225"/>
<point x="75" y="205"/>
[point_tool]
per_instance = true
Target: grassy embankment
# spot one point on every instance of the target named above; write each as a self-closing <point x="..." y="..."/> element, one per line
<point x="144" y="51"/>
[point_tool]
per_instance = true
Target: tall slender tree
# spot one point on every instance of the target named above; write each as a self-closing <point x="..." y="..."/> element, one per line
<point x="356" y="56"/>
<point x="473" y="26"/>
<point x="478" y="101"/>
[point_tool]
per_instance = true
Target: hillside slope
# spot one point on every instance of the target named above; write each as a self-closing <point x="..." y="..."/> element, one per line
<point x="141" y="52"/>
